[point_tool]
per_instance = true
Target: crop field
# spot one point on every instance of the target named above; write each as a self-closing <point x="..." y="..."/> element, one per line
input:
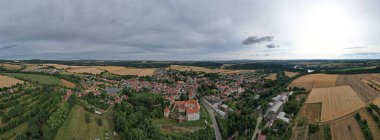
<point x="11" y="66"/>
<point x="346" y="129"/>
<point x="90" y="70"/>
<point x="6" y="81"/>
<point x="128" y="70"/>
<point x="358" y="83"/>
<point x="32" y="67"/>
<point x="291" y="74"/>
<point x="75" y="126"/>
<point x="67" y="83"/>
<point x="272" y="76"/>
<point x="312" y="111"/>
<point x="42" y="79"/>
<point x="315" y="81"/>
<point x="371" y="123"/>
<point x="59" y="66"/>
<point x="336" y="101"/>
<point x="376" y="101"/>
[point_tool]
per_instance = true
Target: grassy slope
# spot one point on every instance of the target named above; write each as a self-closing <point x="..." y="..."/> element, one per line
<point x="75" y="126"/>
<point x="42" y="79"/>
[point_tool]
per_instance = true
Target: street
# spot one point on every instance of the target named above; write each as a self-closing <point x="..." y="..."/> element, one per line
<point x="218" y="136"/>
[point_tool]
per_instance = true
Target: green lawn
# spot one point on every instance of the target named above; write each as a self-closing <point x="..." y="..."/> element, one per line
<point x="42" y="79"/>
<point x="75" y="126"/>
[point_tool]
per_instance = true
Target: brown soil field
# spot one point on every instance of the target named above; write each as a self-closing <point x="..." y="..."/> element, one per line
<point x="366" y="93"/>
<point x="336" y="101"/>
<point x="371" y="123"/>
<point x="128" y="71"/>
<point x="91" y="70"/>
<point x="11" y="66"/>
<point x="6" y="81"/>
<point x="315" y="81"/>
<point x="272" y="76"/>
<point x="312" y="111"/>
<point x="291" y="74"/>
<point x="67" y="83"/>
<point x="346" y="129"/>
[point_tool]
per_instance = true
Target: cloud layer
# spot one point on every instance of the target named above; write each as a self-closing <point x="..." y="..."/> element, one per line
<point x="157" y="30"/>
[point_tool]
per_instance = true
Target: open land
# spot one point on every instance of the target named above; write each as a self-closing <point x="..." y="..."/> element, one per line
<point x="346" y="129"/>
<point x="42" y="79"/>
<point x="272" y="76"/>
<point x="128" y="71"/>
<point x="315" y="81"/>
<point x="6" y="81"/>
<point x="75" y="127"/>
<point x="11" y="66"/>
<point x="91" y="70"/>
<point x="336" y="101"/>
<point x="365" y="92"/>
<point x="67" y="83"/>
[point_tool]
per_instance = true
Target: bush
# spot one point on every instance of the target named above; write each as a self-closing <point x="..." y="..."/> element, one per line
<point x="313" y="128"/>
<point x="87" y="118"/>
<point x="100" y="122"/>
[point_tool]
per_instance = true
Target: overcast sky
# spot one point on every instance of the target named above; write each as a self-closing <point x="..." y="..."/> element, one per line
<point x="189" y="29"/>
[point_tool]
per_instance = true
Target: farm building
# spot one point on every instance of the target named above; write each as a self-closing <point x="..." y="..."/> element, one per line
<point x="281" y="116"/>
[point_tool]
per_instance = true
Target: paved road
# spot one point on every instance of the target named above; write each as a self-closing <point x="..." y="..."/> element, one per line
<point x="257" y="126"/>
<point x="218" y="136"/>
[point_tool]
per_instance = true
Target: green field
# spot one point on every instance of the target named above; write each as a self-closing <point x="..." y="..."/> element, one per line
<point x="42" y="79"/>
<point x="75" y="126"/>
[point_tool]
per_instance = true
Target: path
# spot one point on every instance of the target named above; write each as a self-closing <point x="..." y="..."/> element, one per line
<point x="218" y="136"/>
<point x="257" y="125"/>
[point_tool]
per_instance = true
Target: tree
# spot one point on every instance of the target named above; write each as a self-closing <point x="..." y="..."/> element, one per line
<point x="313" y="128"/>
<point x="100" y="122"/>
<point x="73" y="99"/>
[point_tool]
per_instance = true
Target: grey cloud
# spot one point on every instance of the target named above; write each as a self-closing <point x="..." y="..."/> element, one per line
<point x="271" y="46"/>
<point x="255" y="39"/>
<point x="8" y="46"/>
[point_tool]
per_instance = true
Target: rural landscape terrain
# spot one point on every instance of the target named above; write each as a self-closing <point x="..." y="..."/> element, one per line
<point x="89" y="99"/>
<point x="189" y="70"/>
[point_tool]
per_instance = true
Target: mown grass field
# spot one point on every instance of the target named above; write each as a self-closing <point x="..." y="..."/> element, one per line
<point x="75" y="126"/>
<point x="41" y="79"/>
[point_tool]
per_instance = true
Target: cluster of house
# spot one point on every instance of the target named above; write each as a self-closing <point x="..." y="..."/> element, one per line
<point x="275" y="107"/>
<point x="183" y="110"/>
<point x="170" y="92"/>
